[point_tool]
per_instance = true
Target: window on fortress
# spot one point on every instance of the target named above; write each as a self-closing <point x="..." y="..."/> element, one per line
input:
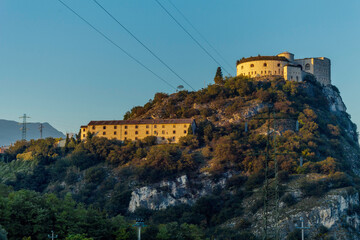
<point x="163" y="126"/>
<point x="242" y="67"/>
<point x="174" y="132"/>
<point x="115" y="133"/>
<point x="163" y="138"/>
<point x="84" y="129"/>
<point x="174" y="126"/>
<point x="307" y="66"/>
<point x="147" y="126"/>
<point x="147" y="132"/>
<point x="115" y="127"/>
<point x="136" y="138"/>
<point x="104" y="133"/>
<point x="125" y="132"/>
<point x="265" y="64"/>
<point x="251" y="65"/>
<point x="184" y="126"/>
<point x="136" y="126"/>
<point x="278" y="65"/>
<point x="136" y="132"/>
<point x="104" y="127"/>
<point x="275" y="72"/>
<point x="125" y="127"/>
<point x="93" y="127"/>
<point x="125" y="138"/>
<point x="297" y="78"/>
<point x="155" y="126"/>
<point x="184" y="131"/>
<point x="163" y="132"/>
<point x="173" y="138"/>
<point x="155" y="132"/>
<point x="83" y="135"/>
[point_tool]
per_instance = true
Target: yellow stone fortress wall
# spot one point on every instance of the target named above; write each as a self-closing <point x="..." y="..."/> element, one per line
<point x="166" y="130"/>
<point x="260" y="67"/>
<point x="285" y="65"/>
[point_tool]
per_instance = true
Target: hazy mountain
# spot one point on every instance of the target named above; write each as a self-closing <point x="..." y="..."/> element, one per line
<point x="10" y="131"/>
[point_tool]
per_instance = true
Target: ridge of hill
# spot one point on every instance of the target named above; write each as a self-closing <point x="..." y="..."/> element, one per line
<point x="210" y="184"/>
<point x="10" y="131"/>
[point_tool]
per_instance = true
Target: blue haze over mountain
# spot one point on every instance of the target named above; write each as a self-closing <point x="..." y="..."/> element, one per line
<point x="10" y="131"/>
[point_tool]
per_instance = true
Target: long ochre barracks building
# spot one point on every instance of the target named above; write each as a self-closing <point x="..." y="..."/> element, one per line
<point x="164" y="129"/>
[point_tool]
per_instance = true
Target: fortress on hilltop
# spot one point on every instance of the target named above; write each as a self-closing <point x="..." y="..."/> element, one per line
<point x="285" y="65"/>
<point x="171" y="130"/>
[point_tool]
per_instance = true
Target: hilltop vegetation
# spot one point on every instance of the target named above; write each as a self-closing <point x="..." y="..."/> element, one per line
<point x="86" y="187"/>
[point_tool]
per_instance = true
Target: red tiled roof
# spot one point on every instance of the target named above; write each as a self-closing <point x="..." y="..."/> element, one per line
<point x="83" y="126"/>
<point x="142" y="121"/>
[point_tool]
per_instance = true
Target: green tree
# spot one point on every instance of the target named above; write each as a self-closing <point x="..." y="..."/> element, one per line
<point x="77" y="237"/>
<point x="3" y="233"/>
<point x="219" y="79"/>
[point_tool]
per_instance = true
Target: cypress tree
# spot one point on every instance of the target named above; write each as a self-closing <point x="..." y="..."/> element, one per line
<point x="219" y="77"/>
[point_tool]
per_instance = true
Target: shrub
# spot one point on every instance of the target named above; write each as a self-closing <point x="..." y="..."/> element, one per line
<point x="257" y="205"/>
<point x="283" y="176"/>
<point x="95" y="175"/>
<point x="288" y="199"/>
<point x="294" y="235"/>
<point x="236" y="181"/>
<point x="72" y="175"/>
<point x="339" y="180"/>
<point x="254" y="181"/>
<point x="314" y="188"/>
<point x="189" y="141"/>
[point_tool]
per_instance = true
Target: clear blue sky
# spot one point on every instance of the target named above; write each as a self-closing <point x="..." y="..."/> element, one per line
<point x="56" y="69"/>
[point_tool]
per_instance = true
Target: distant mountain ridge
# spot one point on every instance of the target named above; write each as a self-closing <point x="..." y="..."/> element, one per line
<point x="10" y="131"/>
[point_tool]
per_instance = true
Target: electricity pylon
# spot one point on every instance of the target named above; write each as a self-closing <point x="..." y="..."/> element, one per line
<point x="271" y="190"/>
<point x="24" y="128"/>
<point x="41" y="127"/>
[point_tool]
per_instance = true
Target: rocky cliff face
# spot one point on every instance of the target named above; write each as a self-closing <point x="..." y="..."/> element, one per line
<point x="169" y="193"/>
<point x="335" y="101"/>
<point x="336" y="211"/>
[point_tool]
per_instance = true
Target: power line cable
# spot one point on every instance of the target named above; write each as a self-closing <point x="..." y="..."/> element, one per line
<point x="137" y="39"/>
<point x="188" y="33"/>
<point x="201" y="35"/>
<point x="116" y="45"/>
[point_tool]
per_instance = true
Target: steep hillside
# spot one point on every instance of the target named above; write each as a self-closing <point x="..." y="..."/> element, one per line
<point x="211" y="184"/>
<point x="10" y="131"/>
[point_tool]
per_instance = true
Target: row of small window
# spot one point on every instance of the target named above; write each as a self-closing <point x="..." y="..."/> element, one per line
<point x="147" y="132"/>
<point x="297" y="78"/>
<point x="163" y="138"/>
<point x="265" y="65"/>
<point x="268" y="72"/>
<point x="125" y="138"/>
<point x="136" y="127"/>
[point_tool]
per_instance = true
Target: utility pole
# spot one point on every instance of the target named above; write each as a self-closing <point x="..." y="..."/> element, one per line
<point x="23" y="128"/>
<point x="41" y="127"/>
<point x="139" y="224"/>
<point x="52" y="236"/>
<point x="302" y="228"/>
